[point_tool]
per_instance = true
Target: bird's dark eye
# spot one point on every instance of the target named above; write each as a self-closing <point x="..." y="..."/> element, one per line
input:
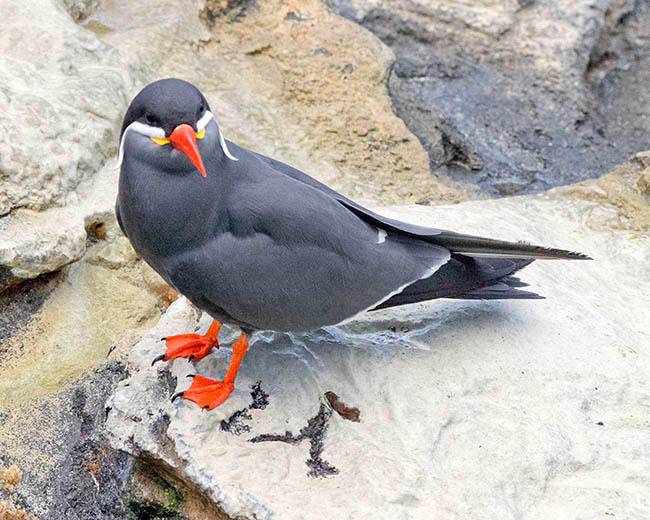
<point x="150" y="119"/>
<point x="201" y="109"/>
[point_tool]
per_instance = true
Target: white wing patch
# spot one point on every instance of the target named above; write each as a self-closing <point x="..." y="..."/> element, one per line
<point x="381" y="236"/>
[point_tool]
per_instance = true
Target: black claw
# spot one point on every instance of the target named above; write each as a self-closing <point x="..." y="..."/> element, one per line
<point x="191" y="375"/>
<point x="163" y="339"/>
<point x="189" y="359"/>
<point x="206" y="407"/>
<point x="159" y="358"/>
<point x="177" y="395"/>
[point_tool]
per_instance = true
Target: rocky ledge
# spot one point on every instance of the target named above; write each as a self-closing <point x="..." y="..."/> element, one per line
<point x="456" y="409"/>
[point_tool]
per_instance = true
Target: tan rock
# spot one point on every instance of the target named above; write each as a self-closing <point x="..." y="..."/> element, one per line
<point x="291" y="80"/>
<point x="10" y="512"/>
<point x="10" y="477"/>
<point x="621" y="198"/>
<point x="333" y="76"/>
<point x="92" y="312"/>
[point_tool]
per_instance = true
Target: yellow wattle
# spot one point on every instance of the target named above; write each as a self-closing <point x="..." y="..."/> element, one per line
<point x="161" y="142"/>
<point x="201" y="134"/>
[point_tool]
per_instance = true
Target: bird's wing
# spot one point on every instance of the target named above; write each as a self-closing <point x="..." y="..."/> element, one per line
<point x="293" y="258"/>
<point x="455" y="242"/>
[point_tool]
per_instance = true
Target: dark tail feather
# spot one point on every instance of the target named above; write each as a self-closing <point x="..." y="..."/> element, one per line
<point x="465" y="277"/>
<point x="505" y="289"/>
<point x="480" y="246"/>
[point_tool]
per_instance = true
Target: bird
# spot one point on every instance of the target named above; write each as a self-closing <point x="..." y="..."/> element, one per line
<point x="260" y="245"/>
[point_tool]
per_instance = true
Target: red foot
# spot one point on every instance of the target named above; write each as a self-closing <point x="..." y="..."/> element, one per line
<point x="191" y="346"/>
<point x="207" y="393"/>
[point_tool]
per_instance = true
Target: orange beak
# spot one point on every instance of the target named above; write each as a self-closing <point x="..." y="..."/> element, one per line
<point x="183" y="138"/>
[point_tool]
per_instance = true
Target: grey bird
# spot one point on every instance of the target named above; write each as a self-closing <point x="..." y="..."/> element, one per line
<point x="260" y="245"/>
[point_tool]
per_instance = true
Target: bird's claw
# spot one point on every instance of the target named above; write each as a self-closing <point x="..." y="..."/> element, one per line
<point x="194" y="347"/>
<point x="158" y="358"/>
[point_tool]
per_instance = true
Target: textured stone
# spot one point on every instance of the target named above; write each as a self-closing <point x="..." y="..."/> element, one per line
<point x="621" y="198"/>
<point x="68" y="469"/>
<point x="62" y="95"/>
<point x="33" y="242"/>
<point x="517" y="96"/>
<point x="288" y="79"/>
<point x="513" y="409"/>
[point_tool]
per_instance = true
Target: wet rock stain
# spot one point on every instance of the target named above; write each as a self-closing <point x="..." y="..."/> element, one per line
<point x="235" y="424"/>
<point x="315" y="431"/>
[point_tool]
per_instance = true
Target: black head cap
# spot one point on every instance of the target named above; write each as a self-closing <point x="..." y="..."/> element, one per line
<point x="166" y="103"/>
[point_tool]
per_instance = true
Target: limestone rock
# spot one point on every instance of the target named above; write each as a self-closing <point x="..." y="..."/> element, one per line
<point x="467" y="408"/>
<point x="30" y="244"/>
<point x="63" y="93"/>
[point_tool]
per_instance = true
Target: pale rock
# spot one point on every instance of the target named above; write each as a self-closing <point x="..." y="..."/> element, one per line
<point x="31" y="245"/>
<point x="468" y="409"/>
<point x="62" y="96"/>
<point x="62" y="93"/>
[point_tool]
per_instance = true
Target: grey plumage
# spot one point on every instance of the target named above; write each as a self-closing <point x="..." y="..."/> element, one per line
<point x="261" y="245"/>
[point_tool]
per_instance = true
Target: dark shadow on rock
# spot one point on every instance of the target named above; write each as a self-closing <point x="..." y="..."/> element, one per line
<point x="233" y="11"/>
<point x="68" y="468"/>
<point x="488" y="115"/>
<point x="19" y="303"/>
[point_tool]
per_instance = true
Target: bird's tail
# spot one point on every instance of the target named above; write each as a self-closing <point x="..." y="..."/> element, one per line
<point x="466" y="277"/>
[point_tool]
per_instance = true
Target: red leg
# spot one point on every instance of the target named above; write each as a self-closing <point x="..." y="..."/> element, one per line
<point x="209" y="393"/>
<point x="191" y="346"/>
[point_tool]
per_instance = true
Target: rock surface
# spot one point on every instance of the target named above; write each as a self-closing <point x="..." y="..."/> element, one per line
<point x="515" y="409"/>
<point x="295" y="81"/>
<point x="63" y="91"/>
<point x="289" y="79"/>
<point x="67" y="470"/>
<point x="517" y="96"/>
<point x="62" y="97"/>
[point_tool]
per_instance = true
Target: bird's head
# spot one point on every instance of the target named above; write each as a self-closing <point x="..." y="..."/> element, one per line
<point x="164" y="124"/>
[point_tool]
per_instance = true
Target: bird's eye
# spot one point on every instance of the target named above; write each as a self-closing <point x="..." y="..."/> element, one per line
<point x="149" y="118"/>
<point x="202" y="109"/>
